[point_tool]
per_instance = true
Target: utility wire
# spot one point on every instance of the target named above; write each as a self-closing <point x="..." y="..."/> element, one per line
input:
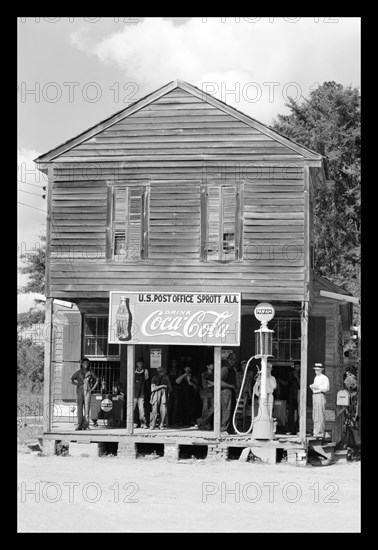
<point x="33" y="184"/>
<point x="35" y="208"/>
<point x="36" y="194"/>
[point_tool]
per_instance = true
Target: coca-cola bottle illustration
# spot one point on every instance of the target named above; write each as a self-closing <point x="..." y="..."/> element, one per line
<point x="124" y="320"/>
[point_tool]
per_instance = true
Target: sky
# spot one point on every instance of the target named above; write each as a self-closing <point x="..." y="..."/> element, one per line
<point x="74" y="72"/>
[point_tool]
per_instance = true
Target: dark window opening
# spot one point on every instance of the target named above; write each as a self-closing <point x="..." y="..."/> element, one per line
<point x="228" y="243"/>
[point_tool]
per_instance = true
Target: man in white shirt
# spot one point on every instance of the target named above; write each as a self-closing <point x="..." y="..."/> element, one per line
<point x="319" y="387"/>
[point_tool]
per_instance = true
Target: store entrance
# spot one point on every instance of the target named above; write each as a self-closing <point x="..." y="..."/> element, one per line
<point x="185" y="366"/>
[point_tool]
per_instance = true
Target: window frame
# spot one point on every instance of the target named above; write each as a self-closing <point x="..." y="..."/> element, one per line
<point x="96" y="357"/>
<point x="111" y="233"/>
<point x="290" y="340"/>
<point x="239" y="223"/>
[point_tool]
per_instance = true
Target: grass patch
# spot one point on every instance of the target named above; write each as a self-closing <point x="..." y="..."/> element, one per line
<point x="29" y="434"/>
<point x="29" y="403"/>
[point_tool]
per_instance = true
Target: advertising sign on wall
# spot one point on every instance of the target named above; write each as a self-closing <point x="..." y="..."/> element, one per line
<point x="155" y="358"/>
<point x="174" y="318"/>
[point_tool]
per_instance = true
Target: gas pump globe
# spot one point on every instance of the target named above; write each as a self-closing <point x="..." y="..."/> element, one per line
<point x="263" y="424"/>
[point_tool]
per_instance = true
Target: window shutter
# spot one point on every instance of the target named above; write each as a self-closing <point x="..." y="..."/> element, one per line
<point x="134" y="226"/>
<point x="130" y="204"/>
<point x="228" y="222"/>
<point x="109" y="223"/>
<point x="213" y="214"/>
<point x="120" y="210"/>
<point x="72" y="337"/>
<point x="71" y="353"/>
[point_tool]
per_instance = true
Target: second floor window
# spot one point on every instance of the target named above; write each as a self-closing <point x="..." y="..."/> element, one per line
<point x="221" y="222"/>
<point x="127" y="223"/>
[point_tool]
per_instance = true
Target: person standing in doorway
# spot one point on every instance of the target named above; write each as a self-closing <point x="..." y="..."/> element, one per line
<point x="228" y="385"/>
<point x="140" y="379"/>
<point x="160" y="388"/>
<point x="188" y="387"/>
<point x="173" y="399"/>
<point x="85" y="381"/>
<point x="294" y="384"/>
<point x="319" y="388"/>
<point x="205" y="422"/>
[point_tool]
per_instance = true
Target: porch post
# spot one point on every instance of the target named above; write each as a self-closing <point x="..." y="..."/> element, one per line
<point x="303" y="384"/>
<point x="48" y="407"/>
<point x="130" y="389"/>
<point x="217" y="390"/>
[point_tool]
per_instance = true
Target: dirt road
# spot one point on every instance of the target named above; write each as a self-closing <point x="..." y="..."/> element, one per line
<point x="110" y="494"/>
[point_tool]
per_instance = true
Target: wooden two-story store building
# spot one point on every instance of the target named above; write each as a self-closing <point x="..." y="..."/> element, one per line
<point x="181" y="193"/>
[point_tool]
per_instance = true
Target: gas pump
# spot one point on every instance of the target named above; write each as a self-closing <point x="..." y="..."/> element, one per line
<point x="262" y="427"/>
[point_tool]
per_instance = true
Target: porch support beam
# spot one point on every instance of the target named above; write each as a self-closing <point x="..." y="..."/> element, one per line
<point x="217" y="390"/>
<point x="130" y="389"/>
<point x="303" y="383"/>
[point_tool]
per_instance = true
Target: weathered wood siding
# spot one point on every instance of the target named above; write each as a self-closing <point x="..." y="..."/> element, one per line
<point x="173" y="145"/>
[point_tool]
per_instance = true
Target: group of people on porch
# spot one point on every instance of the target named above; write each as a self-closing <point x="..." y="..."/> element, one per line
<point x="175" y="398"/>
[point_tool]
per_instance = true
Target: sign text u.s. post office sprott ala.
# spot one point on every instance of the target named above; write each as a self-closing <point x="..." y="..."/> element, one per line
<point x="174" y="318"/>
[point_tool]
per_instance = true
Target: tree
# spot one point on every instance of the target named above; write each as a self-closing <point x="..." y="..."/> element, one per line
<point x="30" y="361"/>
<point x="33" y="316"/>
<point x="35" y="268"/>
<point x="329" y="122"/>
<point x="30" y="356"/>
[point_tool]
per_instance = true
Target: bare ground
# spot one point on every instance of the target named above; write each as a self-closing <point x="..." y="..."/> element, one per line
<point x="115" y="494"/>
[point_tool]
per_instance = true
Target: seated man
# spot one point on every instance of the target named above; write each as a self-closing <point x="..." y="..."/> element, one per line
<point x="160" y="387"/>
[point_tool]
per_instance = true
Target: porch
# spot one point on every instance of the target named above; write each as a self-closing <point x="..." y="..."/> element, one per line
<point x="174" y="444"/>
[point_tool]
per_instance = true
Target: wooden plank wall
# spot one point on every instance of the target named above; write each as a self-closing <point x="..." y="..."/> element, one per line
<point x="175" y="144"/>
<point x="57" y="353"/>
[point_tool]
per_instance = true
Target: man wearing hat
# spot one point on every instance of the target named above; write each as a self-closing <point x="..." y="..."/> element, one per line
<point x="85" y="381"/>
<point x="319" y="388"/>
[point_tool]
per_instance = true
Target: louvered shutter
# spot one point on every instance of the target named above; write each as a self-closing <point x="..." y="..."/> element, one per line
<point x="228" y="223"/>
<point x="214" y="222"/>
<point x="134" y="225"/>
<point x="119" y="216"/>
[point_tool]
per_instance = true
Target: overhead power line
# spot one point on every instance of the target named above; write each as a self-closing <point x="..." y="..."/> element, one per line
<point x="30" y="206"/>
<point x="33" y="184"/>
<point x="29" y="193"/>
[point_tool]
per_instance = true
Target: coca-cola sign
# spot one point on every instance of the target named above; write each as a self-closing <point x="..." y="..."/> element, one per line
<point x="198" y="319"/>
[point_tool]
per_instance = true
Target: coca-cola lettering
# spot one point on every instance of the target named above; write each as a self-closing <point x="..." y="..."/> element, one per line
<point x="201" y="323"/>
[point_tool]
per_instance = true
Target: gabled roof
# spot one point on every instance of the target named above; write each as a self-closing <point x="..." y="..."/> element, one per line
<point x="189" y="88"/>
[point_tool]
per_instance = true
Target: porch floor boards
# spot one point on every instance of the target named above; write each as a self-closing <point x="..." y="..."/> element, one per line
<point x="190" y="435"/>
